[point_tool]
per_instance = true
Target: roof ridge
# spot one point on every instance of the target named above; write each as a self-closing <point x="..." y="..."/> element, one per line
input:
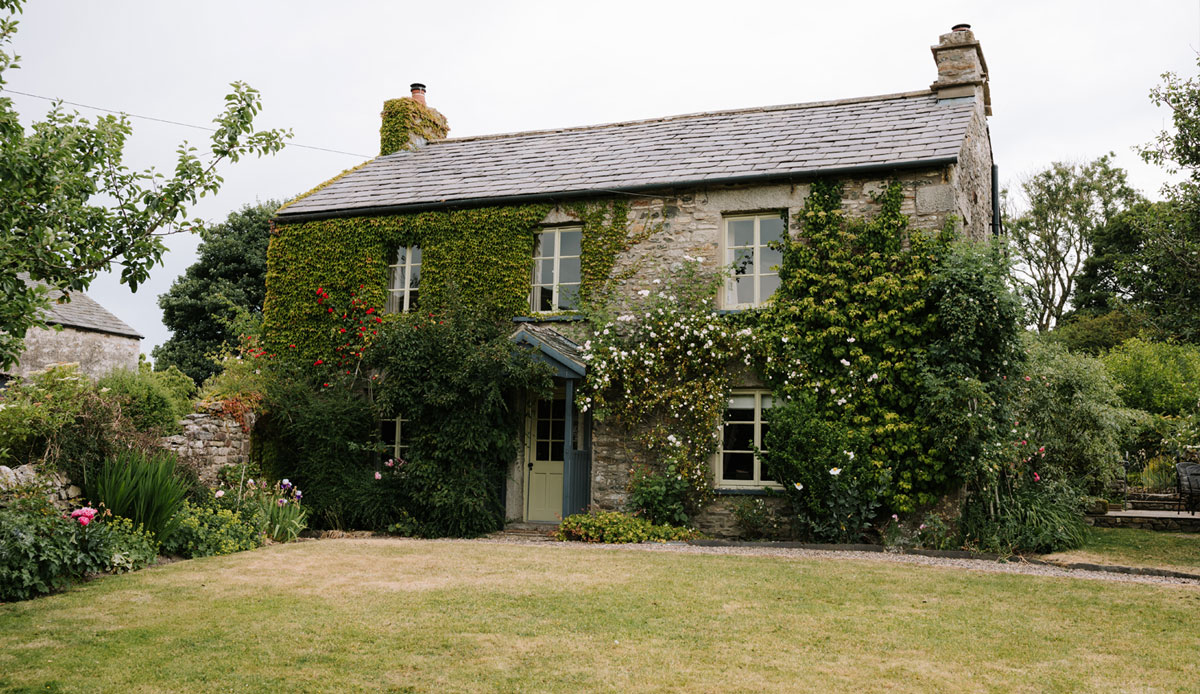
<point x="683" y="116"/>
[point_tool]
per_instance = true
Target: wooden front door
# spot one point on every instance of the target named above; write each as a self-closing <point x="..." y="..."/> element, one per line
<point x="544" y="467"/>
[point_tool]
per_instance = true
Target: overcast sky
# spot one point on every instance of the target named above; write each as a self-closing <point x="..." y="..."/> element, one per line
<point x="1069" y="79"/>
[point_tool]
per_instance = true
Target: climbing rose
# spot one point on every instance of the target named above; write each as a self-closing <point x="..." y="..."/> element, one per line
<point x="378" y="476"/>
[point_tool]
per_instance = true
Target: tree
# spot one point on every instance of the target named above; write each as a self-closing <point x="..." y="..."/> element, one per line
<point x="1063" y="207"/>
<point x="228" y="279"/>
<point x="69" y="208"/>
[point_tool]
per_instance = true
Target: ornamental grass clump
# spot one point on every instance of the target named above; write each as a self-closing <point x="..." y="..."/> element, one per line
<point x="144" y="489"/>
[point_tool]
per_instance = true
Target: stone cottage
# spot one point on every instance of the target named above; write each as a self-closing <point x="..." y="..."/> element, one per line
<point x="87" y="334"/>
<point x="717" y="186"/>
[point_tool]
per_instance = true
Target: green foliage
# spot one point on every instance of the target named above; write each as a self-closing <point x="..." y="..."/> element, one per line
<point x="894" y="336"/>
<point x="1067" y="404"/>
<point x="144" y="489"/>
<point x="832" y="494"/>
<point x="146" y="398"/>
<point x="69" y="208"/>
<point x="453" y="375"/>
<point x="1035" y="517"/>
<point x="36" y="409"/>
<point x="42" y="551"/>
<point x="1157" y="377"/>
<point x="1094" y="333"/>
<point x="317" y="437"/>
<point x="205" y="531"/>
<point x="659" y="496"/>
<point x="483" y="256"/>
<point x="404" y="118"/>
<point x="1063" y="208"/>
<point x="229" y="276"/>
<point x="606" y="233"/>
<point x="280" y="509"/>
<point x="659" y="370"/>
<point x="617" y="527"/>
<point x="757" y="520"/>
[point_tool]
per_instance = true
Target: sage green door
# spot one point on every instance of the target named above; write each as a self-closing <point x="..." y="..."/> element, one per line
<point x="544" y="467"/>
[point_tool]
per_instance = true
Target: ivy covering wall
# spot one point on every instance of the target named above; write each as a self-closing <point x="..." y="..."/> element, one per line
<point x="484" y="254"/>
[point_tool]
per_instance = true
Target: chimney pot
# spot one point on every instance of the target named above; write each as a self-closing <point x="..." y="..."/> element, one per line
<point x="418" y="92"/>
<point x="961" y="27"/>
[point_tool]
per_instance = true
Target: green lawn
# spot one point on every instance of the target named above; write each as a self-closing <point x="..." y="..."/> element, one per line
<point x="413" y="616"/>
<point x="1145" y="548"/>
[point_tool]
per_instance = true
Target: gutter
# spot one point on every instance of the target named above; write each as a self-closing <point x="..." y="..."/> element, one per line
<point x="384" y="210"/>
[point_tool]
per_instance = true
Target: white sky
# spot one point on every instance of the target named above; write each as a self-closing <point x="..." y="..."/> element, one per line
<point x="1069" y="79"/>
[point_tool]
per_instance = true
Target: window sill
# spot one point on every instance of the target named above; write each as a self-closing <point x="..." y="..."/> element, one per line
<point x="746" y="491"/>
<point x="549" y="318"/>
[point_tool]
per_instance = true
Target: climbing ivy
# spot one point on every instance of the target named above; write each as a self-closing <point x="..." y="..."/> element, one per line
<point x="403" y="118"/>
<point x="857" y="329"/>
<point x="484" y="255"/>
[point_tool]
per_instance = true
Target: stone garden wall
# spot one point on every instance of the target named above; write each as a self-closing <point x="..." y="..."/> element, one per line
<point x="212" y="439"/>
<point x="61" y="492"/>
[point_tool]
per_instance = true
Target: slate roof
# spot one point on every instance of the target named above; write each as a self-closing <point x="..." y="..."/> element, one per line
<point x="559" y="347"/>
<point x="84" y="313"/>
<point x="895" y="130"/>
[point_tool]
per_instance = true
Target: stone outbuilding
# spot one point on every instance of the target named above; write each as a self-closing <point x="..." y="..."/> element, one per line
<point x="86" y="334"/>
<point x="716" y="186"/>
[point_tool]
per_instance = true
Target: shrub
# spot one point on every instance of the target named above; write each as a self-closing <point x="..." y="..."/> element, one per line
<point x="832" y="494"/>
<point x="1157" y="377"/>
<point x="1067" y="405"/>
<point x="143" y="489"/>
<point x="453" y="374"/>
<point x="36" y="409"/>
<point x="1038" y="516"/>
<point x="617" y="527"/>
<point x="757" y="520"/>
<point x="145" y="399"/>
<point x="660" y="497"/>
<point x="205" y="531"/>
<point x="41" y="550"/>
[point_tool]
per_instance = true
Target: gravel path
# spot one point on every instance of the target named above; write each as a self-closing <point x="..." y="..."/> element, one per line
<point x="1014" y="567"/>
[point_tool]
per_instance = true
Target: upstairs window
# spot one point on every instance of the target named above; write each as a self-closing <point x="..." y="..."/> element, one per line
<point x="404" y="280"/>
<point x="556" y="270"/>
<point x="742" y="432"/>
<point x="755" y="263"/>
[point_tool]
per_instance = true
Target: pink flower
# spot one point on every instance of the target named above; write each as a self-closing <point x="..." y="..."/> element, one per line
<point x="378" y="476"/>
<point x="390" y="463"/>
<point x="84" y="520"/>
<point x="1028" y="378"/>
<point x="220" y="493"/>
<point x="922" y="527"/>
<point x="1036" y="477"/>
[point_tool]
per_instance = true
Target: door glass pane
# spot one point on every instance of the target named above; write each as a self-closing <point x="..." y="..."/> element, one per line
<point x="556" y="450"/>
<point x="543" y="450"/>
<point x="741" y="232"/>
<point x="569" y="242"/>
<point x="559" y="409"/>
<point x="543" y="428"/>
<point x="557" y="427"/>
<point x="737" y="466"/>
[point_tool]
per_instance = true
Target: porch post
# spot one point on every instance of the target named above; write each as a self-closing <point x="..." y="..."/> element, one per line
<point x="569" y="467"/>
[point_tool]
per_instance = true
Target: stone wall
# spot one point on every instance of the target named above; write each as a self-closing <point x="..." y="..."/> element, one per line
<point x="971" y="180"/>
<point x="61" y="492"/>
<point x="211" y="440"/>
<point x="96" y="353"/>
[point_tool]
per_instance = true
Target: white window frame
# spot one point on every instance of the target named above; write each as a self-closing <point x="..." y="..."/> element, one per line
<point x="400" y="447"/>
<point x="400" y="299"/>
<point x="757" y="482"/>
<point x="557" y="257"/>
<point x="756" y="271"/>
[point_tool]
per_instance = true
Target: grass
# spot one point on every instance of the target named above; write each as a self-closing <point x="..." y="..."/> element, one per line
<point x="419" y="616"/>
<point x="1133" y="547"/>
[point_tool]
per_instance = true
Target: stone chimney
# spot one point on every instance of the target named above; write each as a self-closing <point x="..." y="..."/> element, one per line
<point x="962" y="71"/>
<point x="409" y="124"/>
